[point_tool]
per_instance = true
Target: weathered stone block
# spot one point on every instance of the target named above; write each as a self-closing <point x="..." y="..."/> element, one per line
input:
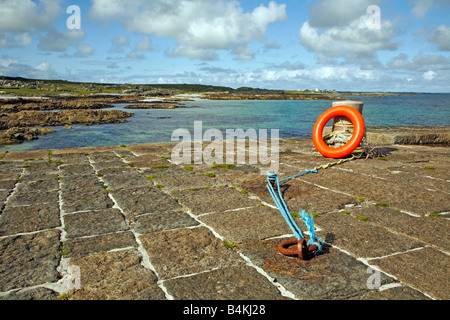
<point x="94" y="222"/>
<point x="29" y="260"/>
<point x="115" y="276"/>
<point x="229" y="283"/>
<point x="186" y="251"/>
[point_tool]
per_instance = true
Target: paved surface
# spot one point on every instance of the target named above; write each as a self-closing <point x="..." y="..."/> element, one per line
<point x="128" y="224"/>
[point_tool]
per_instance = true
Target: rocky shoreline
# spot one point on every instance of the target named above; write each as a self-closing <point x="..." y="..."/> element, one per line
<point x="153" y="106"/>
<point x="229" y="96"/>
<point x="22" y="119"/>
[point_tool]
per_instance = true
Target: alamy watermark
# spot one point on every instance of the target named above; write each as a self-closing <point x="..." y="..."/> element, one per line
<point x="373" y="21"/>
<point x="75" y="277"/>
<point x="374" y="280"/>
<point x="74" y="21"/>
<point x="237" y="146"/>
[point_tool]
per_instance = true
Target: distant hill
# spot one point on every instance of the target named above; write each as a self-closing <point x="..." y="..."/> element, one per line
<point x="41" y="86"/>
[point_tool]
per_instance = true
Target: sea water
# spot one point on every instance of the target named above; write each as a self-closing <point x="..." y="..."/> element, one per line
<point x="293" y="118"/>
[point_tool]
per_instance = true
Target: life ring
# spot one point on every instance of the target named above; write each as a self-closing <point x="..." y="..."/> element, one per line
<point x="358" y="132"/>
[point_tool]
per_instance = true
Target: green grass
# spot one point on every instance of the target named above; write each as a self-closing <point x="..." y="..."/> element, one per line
<point x="63" y="251"/>
<point x="189" y="168"/>
<point x="362" y="218"/>
<point x="430" y="168"/>
<point x="435" y="215"/>
<point x="360" y="198"/>
<point x="209" y="174"/>
<point x="381" y="204"/>
<point x="225" y="166"/>
<point x="229" y="245"/>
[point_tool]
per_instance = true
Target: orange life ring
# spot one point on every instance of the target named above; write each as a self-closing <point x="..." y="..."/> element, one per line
<point x="358" y="132"/>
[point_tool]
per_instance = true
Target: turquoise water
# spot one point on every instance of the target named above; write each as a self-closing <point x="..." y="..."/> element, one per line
<point x="291" y="118"/>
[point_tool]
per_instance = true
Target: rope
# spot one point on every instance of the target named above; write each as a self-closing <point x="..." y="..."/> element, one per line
<point x="330" y="164"/>
<point x="272" y="180"/>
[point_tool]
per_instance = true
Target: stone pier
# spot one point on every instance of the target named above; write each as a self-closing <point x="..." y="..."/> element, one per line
<point x="126" y="223"/>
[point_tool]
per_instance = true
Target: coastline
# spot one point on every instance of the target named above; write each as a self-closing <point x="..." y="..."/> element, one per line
<point x="22" y="117"/>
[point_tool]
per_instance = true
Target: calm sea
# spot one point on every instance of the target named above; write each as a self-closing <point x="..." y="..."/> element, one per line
<point x="292" y="118"/>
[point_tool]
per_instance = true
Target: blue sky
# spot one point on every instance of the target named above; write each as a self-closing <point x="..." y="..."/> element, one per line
<point x="296" y="45"/>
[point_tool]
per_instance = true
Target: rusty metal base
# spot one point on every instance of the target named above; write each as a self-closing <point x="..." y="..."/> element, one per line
<point x="297" y="248"/>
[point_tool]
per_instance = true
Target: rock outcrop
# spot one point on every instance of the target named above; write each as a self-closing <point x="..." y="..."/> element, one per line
<point x="20" y="117"/>
<point x="61" y="118"/>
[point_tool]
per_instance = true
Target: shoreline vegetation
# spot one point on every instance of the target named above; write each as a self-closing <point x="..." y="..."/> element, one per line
<point x="27" y="105"/>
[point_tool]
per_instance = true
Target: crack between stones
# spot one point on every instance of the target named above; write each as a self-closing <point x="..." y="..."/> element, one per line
<point x="248" y="261"/>
<point x="145" y="259"/>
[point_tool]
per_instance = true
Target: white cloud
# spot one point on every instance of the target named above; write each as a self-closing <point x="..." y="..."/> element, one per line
<point x="420" y="62"/>
<point x="135" y="55"/>
<point x="11" y="40"/>
<point x="144" y="45"/>
<point x="421" y="8"/>
<point x="429" y="75"/>
<point x="272" y="45"/>
<point x="121" y="40"/>
<point x="84" y="50"/>
<point x="441" y="36"/>
<point x="354" y="38"/>
<point x="200" y="27"/>
<point x="291" y="65"/>
<point x="20" y="18"/>
<point x="337" y="13"/>
<point x="44" y="67"/>
<point x="13" y="67"/>
<point x="340" y="29"/>
<point x="60" y="41"/>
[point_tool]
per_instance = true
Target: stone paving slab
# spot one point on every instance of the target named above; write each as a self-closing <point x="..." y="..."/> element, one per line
<point x="24" y="219"/>
<point x="430" y="230"/>
<point x="142" y="200"/>
<point x="334" y="275"/>
<point x="427" y="270"/>
<point x="187" y="251"/>
<point x="116" y="276"/>
<point x="361" y="238"/>
<point x="90" y="223"/>
<point x="248" y="224"/>
<point x="140" y="227"/>
<point x="233" y="283"/>
<point x="208" y="200"/>
<point x="29" y="260"/>
<point x="169" y="220"/>
<point x="396" y="194"/>
<point x="84" y="246"/>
